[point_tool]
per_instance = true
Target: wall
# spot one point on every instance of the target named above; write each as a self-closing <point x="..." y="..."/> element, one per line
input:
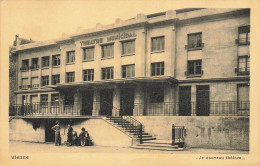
<point x="202" y="132"/>
<point x="102" y="133"/>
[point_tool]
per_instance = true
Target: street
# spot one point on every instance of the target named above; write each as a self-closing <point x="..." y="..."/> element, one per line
<point x="32" y="147"/>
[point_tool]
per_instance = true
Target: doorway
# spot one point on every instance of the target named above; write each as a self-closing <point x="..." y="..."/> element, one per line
<point x="127" y="101"/>
<point x="49" y="133"/>
<point x="185" y="101"/>
<point x="87" y="102"/>
<point x="106" y="102"/>
<point x="202" y="100"/>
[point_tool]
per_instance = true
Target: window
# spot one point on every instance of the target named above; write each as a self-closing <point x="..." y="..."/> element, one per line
<point x="35" y="82"/>
<point x="44" y="98"/>
<point x="34" y="99"/>
<point x="55" y="98"/>
<point x="88" y="75"/>
<point x="128" y="47"/>
<point x="45" y="61"/>
<point x="70" y="57"/>
<point x="158" y="44"/>
<point x="108" y="51"/>
<point x="157" y="94"/>
<point x="88" y="53"/>
<point x="158" y="69"/>
<point x="244" y="35"/>
<point x="56" y="60"/>
<point x="108" y="73"/>
<point x="35" y="64"/>
<point x="25" y="65"/>
<point x="195" y="41"/>
<point x="70" y="76"/>
<point x="243" y="64"/>
<point x="55" y="79"/>
<point x="45" y="80"/>
<point x="128" y="71"/>
<point x="69" y="99"/>
<point x="243" y="98"/>
<point x="25" y="83"/>
<point x="194" y="67"/>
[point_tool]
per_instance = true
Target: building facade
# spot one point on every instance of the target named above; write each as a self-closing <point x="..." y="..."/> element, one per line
<point x="190" y="62"/>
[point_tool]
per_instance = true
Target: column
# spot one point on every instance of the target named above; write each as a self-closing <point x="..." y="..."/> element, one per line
<point x="77" y="102"/>
<point x="96" y="102"/>
<point x="116" y="101"/>
<point x="193" y="100"/>
<point x="139" y="101"/>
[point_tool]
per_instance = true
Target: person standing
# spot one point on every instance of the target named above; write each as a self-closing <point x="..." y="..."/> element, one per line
<point x="56" y="128"/>
<point x="69" y="135"/>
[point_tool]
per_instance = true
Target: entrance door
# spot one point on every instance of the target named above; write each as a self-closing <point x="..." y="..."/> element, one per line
<point x="185" y="101"/>
<point x="49" y="133"/>
<point x="87" y="102"/>
<point x="106" y="102"/>
<point x="127" y="101"/>
<point x="202" y="100"/>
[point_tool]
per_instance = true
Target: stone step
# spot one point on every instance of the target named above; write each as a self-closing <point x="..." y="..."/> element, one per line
<point x="158" y="145"/>
<point x="138" y="133"/>
<point x="145" y="136"/>
<point x="147" y="139"/>
<point x="157" y="148"/>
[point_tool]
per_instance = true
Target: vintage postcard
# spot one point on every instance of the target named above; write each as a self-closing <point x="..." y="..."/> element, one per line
<point x="129" y="82"/>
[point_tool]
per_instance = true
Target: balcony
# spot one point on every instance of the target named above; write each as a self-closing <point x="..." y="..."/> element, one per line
<point x="24" y="68"/>
<point x="214" y="108"/>
<point x="46" y="109"/>
<point x="243" y="41"/>
<point x="35" y="67"/>
<point x="242" y="71"/>
<point x="192" y="47"/>
<point x="24" y="87"/>
<point x="35" y="86"/>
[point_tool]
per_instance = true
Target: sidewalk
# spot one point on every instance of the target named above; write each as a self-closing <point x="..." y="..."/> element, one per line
<point x="32" y="147"/>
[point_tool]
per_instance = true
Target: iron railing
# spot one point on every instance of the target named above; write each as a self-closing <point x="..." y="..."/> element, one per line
<point x="243" y="41"/>
<point x="46" y="109"/>
<point x="178" y="133"/>
<point x="197" y="46"/>
<point x="213" y="108"/>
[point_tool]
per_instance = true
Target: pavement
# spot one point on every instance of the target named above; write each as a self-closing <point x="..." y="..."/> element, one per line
<point x="34" y="147"/>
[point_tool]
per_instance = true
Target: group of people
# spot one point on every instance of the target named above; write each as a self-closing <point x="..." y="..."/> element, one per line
<point x="72" y="138"/>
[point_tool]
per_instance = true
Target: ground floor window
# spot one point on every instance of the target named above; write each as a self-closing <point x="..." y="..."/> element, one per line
<point x="44" y="98"/>
<point x="157" y="94"/>
<point x="55" y="97"/>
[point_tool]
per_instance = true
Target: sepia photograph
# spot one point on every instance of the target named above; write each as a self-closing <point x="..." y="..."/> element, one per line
<point x="129" y="78"/>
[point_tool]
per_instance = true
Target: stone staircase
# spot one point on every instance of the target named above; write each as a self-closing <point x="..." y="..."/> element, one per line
<point x="129" y="128"/>
<point x="162" y="145"/>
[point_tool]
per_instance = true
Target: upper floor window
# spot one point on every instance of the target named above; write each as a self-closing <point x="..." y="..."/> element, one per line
<point x="35" y="64"/>
<point x="243" y="35"/>
<point x="70" y="57"/>
<point x="108" y="51"/>
<point x="88" y="75"/>
<point x="128" y="47"/>
<point x="194" y="41"/>
<point x="243" y="65"/>
<point x="25" y="83"/>
<point x="108" y="73"/>
<point x="88" y="53"/>
<point x="158" y="44"/>
<point x="55" y="79"/>
<point x="157" y="69"/>
<point x="194" y="67"/>
<point x="56" y="60"/>
<point x="45" y="80"/>
<point x="70" y="77"/>
<point x="35" y="82"/>
<point x="45" y="61"/>
<point x="25" y="65"/>
<point x="128" y="71"/>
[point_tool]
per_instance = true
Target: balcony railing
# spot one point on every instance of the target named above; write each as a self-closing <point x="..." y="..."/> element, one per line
<point x="214" y="108"/>
<point x="24" y="68"/>
<point x="46" y="109"/>
<point x="199" y="74"/>
<point x="242" y="71"/>
<point x="243" y="41"/>
<point x="34" y="67"/>
<point x="197" y="46"/>
<point x="25" y="87"/>
<point x="35" y="86"/>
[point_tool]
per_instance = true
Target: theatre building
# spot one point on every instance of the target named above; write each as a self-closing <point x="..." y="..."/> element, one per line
<point x="187" y="67"/>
